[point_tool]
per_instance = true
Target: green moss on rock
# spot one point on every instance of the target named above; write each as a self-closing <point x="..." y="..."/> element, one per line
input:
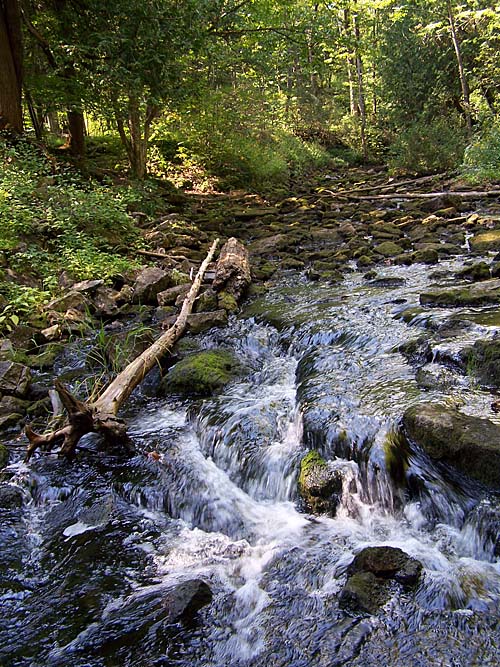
<point x="227" y="302"/>
<point x="319" y="485"/>
<point x="201" y="374"/>
<point x="388" y="249"/>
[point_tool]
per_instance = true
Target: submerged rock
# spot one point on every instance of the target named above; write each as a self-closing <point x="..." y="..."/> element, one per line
<point x="367" y="587"/>
<point x="388" y="563"/>
<point x="487" y="291"/>
<point x="470" y="444"/>
<point x="201" y="374"/>
<point x="319" y="485"/>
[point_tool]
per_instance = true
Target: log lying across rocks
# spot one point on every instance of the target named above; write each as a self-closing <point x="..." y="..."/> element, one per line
<point x="101" y="415"/>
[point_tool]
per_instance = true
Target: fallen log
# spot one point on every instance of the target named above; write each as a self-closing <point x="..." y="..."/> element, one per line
<point x="101" y="415"/>
<point x="386" y="185"/>
<point x="232" y="271"/>
<point x="464" y="194"/>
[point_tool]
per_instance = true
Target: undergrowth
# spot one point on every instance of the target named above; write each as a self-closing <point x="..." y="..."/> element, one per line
<point x="55" y="220"/>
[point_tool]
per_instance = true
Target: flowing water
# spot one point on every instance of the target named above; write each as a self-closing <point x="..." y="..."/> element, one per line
<point x="90" y="549"/>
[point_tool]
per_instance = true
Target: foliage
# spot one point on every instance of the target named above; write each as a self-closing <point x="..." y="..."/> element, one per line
<point x="482" y="156"/>
<point x="54" y="220"/>
<point x="428" y="146"/>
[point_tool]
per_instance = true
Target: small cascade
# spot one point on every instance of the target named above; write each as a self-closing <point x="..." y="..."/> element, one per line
<point x="215" y="500"/>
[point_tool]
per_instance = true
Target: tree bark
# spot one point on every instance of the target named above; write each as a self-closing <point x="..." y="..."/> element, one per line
<point x="101" y="415"/>
<point x="76" y="126"/>
<point x="11" y="66"/>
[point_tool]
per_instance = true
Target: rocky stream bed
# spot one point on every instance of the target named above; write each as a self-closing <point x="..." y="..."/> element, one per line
<point x="317" y="476"/>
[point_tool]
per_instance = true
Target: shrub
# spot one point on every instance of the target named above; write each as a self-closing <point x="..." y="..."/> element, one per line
<point x="53" y="220"/>
<point x="482" y="156"/>
<point x="428" y="146"/>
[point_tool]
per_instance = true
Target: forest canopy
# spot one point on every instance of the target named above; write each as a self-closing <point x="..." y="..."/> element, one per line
<point x="251" y="91"/>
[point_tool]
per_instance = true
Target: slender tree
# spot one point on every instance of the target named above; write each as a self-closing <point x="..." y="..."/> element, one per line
<point x="11" y="66"/>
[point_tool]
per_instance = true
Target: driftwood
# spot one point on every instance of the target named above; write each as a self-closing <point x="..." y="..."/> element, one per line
<point x="232" y="271"/>
<point x="101" y="415"/>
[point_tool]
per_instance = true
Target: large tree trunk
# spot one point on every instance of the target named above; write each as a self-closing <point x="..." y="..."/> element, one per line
<point x="11" y="59"/>
<point x="101" y="415"/>
<point x="76" y="126"/>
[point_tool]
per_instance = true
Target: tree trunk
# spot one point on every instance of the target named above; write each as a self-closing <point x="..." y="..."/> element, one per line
<point x="76" y="126"/>
<point x="361" y="88"/>
<point x="101" y="415"/>
<point x="36" y="115"/>
<point x="11" y="59"/>
<point x="53" y="121"/>
<point x="350" y="63"/>
<point x="461" y="70"/>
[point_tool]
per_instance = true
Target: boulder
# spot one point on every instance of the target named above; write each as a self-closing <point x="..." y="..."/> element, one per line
<point x="364" y="592"/>
<point x="483" y="360"/>
<point x="169" y="296"/>
<point x="104" y="301"/>
<point x="486" y="241"/>
<point x="367" y="587"/>
<point x="425" y="256"/>
<point x="87" y="286"/>
<point x="71" y="300"/>
<point x="199" y="322"/>
<point x="11" y="497"/>
<point x="270" y="245"/>
<point x="206" y="302"/>
<point x="149" y="283"/>
<point x="15" y="379"/>
<point x="475" y="272"/>
<point x="388" y="563"/>
<point x="388" y="249"/>
<point x="201" y="374"/>
<point x="487" y="291"/>
<point x="320" y="486"/>
<point x="470" y="444"/>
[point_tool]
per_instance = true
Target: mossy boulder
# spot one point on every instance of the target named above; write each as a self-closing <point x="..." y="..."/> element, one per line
<point x="364" y="592"/>
<point x="470" y="444"/>
<point x="486" y="241"/>
<point x="388" y="249"/>
<point x="206" y="302"/>
<point x="475" y="272"/>
<point x="228" y="302"/>
<point x="320" y="486"/>
<point x="201" y="374"/>
<point x="425" y="256"/>
<point x="367" y="587"/>
<point x="483" y="360"/>
<point x="477" y="294"/>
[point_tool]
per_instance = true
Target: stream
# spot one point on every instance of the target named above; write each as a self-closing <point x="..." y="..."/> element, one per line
<point x="94" y="552"/>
